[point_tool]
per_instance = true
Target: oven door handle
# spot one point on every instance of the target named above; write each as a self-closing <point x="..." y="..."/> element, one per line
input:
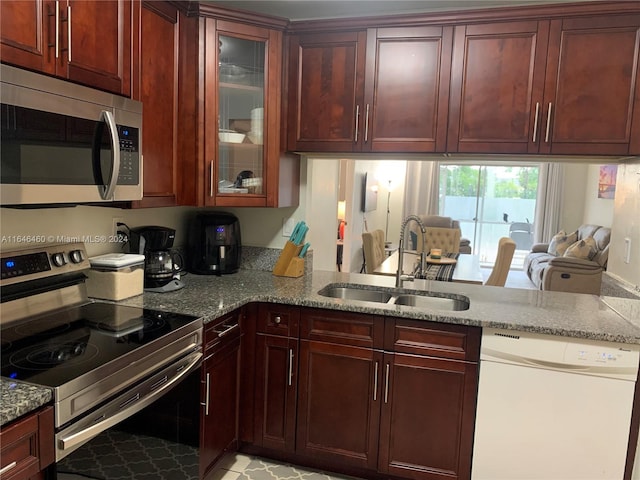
<point x="132" y="404"/>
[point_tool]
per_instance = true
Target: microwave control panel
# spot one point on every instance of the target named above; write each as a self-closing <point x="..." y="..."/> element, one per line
<point x="129" y="155"/>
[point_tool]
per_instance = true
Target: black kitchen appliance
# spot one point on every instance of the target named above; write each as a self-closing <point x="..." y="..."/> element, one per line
<point x="106" y="364"/>
<point x="162" y="265"/>
<point x="214" y="244"/>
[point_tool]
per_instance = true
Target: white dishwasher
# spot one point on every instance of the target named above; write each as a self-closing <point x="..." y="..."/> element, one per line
<point x="552" y="408"/>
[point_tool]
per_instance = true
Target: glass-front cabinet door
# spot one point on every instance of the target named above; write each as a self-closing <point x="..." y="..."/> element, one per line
<point x="237" y="115"/>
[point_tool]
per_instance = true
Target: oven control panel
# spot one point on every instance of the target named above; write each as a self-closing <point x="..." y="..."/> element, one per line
<point x="35" y="263"/>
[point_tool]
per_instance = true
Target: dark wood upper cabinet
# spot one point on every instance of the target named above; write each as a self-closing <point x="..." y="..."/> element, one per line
<point x="407" y="89"/>
<point x="156" y="86"/>
<point x="497" y="77"/>
<point x="565" y="86"/>
<point x="244" y="163"/>
<point x="326" y="97"/>
<point x="383" y="90"/>
<point x="591" y="85"/>
<point x="67" y="40"/>
<point x="27" y="32"/>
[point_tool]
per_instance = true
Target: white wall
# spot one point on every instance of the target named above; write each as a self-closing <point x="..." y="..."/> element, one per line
<point x="626" y="224"/>
<point x="573" y="200"/>
<point x="597" y="211"/>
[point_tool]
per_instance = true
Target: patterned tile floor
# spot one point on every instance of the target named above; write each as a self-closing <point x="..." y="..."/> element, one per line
<point x="115" y="455"/>
<point x="238" y="466"/>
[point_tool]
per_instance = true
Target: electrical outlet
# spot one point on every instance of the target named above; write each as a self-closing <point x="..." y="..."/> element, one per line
<point x="114" y="225"/>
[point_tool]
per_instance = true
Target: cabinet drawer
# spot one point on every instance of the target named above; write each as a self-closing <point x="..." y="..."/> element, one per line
<point x="456" y="342"/>
<point x="223" y="328"/>
<point x="341" y="327"/>
<point x="27" y="444"/>
<point x="282" y="320"/>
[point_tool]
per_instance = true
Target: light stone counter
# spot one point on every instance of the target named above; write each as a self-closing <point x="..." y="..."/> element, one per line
<point x="18" y="398"/>
<point x="581" y="316"/>
<point x="565" y="314"/>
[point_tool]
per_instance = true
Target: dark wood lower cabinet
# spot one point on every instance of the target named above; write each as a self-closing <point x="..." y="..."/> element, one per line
<point x="427" y="417"/>
<point x="276" y="390"/>
<point x="27" y="446"/>
<point x="220" y="391"/>
<point x="338" y="403"/>
<point x="368" y="396"/>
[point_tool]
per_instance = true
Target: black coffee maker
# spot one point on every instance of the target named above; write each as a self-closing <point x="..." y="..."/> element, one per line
<point x="162" y="265"/>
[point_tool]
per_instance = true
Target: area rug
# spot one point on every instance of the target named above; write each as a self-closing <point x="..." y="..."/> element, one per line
<point x="261" y="469"/>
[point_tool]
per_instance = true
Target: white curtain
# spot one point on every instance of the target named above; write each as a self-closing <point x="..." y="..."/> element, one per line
<point x="421" y="188"/>
<point x="549" y="202"/>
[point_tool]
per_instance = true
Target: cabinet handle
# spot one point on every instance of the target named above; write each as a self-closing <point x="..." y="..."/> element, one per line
<point x="366" y="125"/>
<point x="375" y="383"/>
<point x="290" y="366"/>
<point x="546" y="137"/>
<point x="226" y="329"/>
<point x="6" y="468"/>
<point x="535" y="122"/>
<point x="57" y="29"/>
<point x="69" y="32"/>
<point x="357" y="123"/>
<point x="277" y="319"/>
<point x="211" y="179"/>
<point x="206" y="397"/>
<point x="386" y="385"/>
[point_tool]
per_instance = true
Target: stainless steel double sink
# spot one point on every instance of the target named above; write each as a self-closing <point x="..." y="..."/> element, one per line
<point x="365" y="293"/>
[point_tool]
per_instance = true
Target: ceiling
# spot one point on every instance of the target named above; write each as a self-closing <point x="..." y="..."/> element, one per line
<point x="314" y="9"/>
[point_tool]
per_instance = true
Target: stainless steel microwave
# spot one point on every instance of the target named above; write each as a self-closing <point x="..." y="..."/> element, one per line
<point x="65" y="143"/>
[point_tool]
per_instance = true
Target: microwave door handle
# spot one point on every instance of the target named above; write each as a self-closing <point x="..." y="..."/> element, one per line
<point x="108" y="189"/>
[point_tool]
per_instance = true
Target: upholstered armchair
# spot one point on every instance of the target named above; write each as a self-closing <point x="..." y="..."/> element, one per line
<point x="438" y="221"/>
<point x="554" y="266"/>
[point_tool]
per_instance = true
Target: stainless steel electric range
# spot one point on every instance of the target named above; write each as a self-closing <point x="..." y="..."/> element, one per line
<point x="104" y="362"/>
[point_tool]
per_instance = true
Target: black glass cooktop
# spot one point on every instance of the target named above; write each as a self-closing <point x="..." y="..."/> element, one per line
<point x="54" y="349"/>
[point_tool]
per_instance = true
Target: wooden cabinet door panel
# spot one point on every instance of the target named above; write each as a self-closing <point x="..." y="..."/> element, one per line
<point x="157" y="89"/>
<point x="591" y="83"/>
<point x="338" y="410"/>
<point x="276" y="390"/>
<point x="326" y="91"/>
<point x="497" y="79"/>
<point x="407" y="89"/>
<point x="27" y="30"/>
<point x="427" y="417"/>
<point x="100" y="44"/>
<point x="219" y="424"/>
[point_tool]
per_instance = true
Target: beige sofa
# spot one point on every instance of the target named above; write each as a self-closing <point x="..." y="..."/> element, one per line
<point x="567" y="274"/>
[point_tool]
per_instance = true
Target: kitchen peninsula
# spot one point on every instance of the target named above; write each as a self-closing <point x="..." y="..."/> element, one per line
<point x="583" y="317"/>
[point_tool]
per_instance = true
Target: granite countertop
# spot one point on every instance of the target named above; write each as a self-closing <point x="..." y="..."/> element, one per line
<point x="18" y="398"/>
<point x="571" y="315"/>
<point x="556" y="313"/>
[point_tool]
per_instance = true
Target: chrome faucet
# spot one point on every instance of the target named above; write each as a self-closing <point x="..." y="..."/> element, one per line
<point x="399" y="276"/>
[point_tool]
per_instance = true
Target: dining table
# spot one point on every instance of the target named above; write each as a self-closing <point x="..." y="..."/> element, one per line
<point x="466" y="268"/>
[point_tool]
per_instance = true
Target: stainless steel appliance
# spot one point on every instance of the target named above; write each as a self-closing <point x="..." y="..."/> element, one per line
<point x="104" y="362"/>
<point x="162" y="265"/>
<point x="65" y="143"/>
<point x="215" y="246"/>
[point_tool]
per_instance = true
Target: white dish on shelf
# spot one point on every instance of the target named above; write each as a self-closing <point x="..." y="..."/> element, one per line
<point x="230" y="136"/>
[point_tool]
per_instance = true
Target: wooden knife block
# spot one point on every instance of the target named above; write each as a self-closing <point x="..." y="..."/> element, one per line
<point x="289" y="264"/>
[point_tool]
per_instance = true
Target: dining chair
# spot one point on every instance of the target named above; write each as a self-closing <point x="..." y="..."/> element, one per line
<point x="498" y="276"/>
<point x="373" y="248"/>
<point x="446" y="239"/>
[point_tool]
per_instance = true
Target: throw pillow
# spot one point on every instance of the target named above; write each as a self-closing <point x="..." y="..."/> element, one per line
<point x="585" y="249"/>
<point x="560" y="242"/>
